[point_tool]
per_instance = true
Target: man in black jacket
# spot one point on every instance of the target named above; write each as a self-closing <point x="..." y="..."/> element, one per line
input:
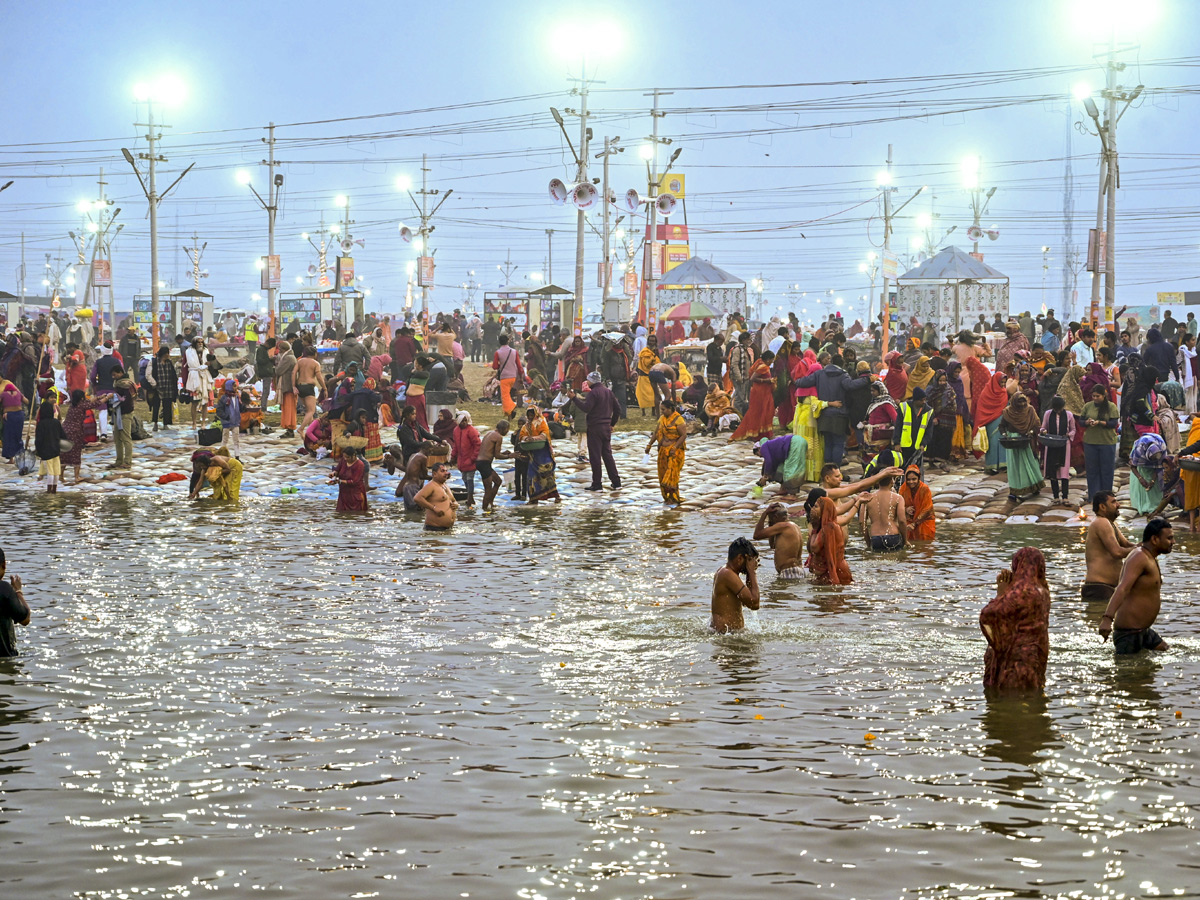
<point x="615" y="364"/>
<point x="714" y="358"/>
<point x="602" y="411"/>
<point x="832" y="384"/>
<point x="264" y="368"/>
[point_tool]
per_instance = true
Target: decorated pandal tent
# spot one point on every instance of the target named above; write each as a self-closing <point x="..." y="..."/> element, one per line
<point x="699" y="281"/>
<point x="950" y="290"/>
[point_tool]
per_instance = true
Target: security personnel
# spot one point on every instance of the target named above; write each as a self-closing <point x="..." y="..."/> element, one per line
<point x="912" y="430"/>
<point x="251" y="334"/>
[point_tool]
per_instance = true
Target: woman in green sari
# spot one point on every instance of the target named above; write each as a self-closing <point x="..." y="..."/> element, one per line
<point x="1024" y="473"/>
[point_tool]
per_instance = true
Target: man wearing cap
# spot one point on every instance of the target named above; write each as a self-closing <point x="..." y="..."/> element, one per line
<point x="229" y="413"/>
<point x="603" y="412"/>
<point x="102" y="384"/>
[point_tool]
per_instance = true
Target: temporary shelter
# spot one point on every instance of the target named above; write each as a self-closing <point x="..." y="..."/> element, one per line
<point x="699" y="281"/>
<point x="950" y="290"/>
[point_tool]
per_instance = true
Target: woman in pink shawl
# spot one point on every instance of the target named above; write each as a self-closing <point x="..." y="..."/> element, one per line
<point x="1016" y="625"/>
<point x="377" y="366"/>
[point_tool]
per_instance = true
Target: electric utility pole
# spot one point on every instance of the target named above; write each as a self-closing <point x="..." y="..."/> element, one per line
<point x="581" y="175"/>
<point x="550" y="256"/>
<point x="650" y="276"/>
<point x="425" y="215"/>
<point x="885" y="181"/>
<point x="194" y="253"/>
<point x="611" y="147"/>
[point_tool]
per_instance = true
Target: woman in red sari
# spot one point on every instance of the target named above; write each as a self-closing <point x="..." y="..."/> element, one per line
<point x="1016" y="626"/>
<point x="896" y="378"/>
<point x="756" y="424"/>
<point x="348" y="475"/>
<point x="785" y="365"/>
<point x="574" y="361"/>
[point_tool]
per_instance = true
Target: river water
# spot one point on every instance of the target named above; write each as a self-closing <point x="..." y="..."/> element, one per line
<point x="280" y="699"/>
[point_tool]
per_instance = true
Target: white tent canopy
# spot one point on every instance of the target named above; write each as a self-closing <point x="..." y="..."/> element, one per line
<point x="698" y="281"/>
<point x="951" y="290"/>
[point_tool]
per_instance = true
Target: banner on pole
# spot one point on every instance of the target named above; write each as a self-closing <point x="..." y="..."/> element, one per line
<point x="425" y="270"/>
<point x="1097" y="243"/>
<point x="270" y="273"/>
<point x="891" y="264"/>
<point x="101" y="273"/>
<point x="631" y="283"/>
<point x="345" y="272"/>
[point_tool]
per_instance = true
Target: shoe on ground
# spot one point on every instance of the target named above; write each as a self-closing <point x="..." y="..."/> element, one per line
<point x="594" y="487"/>
<point x="616" y="486"/>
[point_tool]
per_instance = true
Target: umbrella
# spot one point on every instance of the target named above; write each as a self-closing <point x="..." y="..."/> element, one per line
<point x="689" y="310"/>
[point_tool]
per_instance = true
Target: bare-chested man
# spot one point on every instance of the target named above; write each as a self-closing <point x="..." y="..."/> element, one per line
<point x="416" y="471"/>
<point x="1104" y="550"/>
<point x="1135" y="603"/>
<point x="785" y="539"/>
<point x="491" y="448"/>
<point x="730" y="593"/>
<point x="843" y="495"/>
<point x="437" y="501"/>
<point x="884" y="522"/>
<point x="309" y="385"/>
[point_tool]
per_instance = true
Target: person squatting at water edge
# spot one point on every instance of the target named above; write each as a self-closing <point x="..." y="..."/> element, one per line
<point x="1136" y="601"/>
<point x="730" y="592"/>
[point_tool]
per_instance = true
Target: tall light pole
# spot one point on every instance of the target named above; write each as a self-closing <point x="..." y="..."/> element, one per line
<point x="164" y="91"/>
<point x="884" y="181"/>
<point x="652" y="176"/>
<point x="271" y="205"/>
<point x="611" y="147"/>
<point x="550" y="256"/>
<point x="424" y="214"/>
<point x="1110" y="181"/>
<point x="979" y="199"/>
<point x="870" y="268"/>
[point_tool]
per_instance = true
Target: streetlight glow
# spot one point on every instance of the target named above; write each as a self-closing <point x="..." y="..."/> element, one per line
<point x="340" y="201"/>
<point x="83" y="206"/>
<point x="166" y="89"/>
<point x="258" y="264"/>
<point x="883" y="178"/>
<point x="646" y="152"/>
<point x="242" y="176"/>
<point x="1081" y="91"/>
<point x="92" y="227"/>
<point x="970" y="172"/>
<point x="924" y="220"/>
<point x="403" y="183"/>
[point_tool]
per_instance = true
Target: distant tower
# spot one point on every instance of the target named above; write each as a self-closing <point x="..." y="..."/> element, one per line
<point x="1067" y="311"/>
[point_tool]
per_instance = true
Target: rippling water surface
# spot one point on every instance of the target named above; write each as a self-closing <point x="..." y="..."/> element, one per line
<point x="281" y="699"/>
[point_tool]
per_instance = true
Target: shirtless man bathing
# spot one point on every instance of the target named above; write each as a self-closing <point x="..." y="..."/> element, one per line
<point x="884" y="521"/>
<point x="730" y="593"/>
<point x="491" y="448"/>
<point x="1104" y="550"/>
<point x="1135" y="603"/>
<point x="437" y="501"/>
<point x="775" y="526"/>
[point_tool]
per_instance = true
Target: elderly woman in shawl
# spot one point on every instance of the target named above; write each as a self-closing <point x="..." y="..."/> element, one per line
<point x="1146" y="468"/>
<point x="1016" y="625"/>
<point x="804" y="420"/>
<point x="919" y="377"/>
<point x="827" y="545"/>
<point x="1024" y="474"/>
<point x="1014" y="342"/>
<point x="896" y="378"/>
<point x="879" y="424"/>
<point x="944" y="407"/>
<point x="671" y="436"/>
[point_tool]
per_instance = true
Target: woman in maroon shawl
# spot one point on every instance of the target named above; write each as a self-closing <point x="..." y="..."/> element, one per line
<point x="1016" y="625"/>
<point x="348" y="475"/>
<point x="575" y="364"/>
<point x="896" y="378"/>
<point x="785" y="398"/>
<point x="1095" y="376"/>
<point x="756" y="424"/>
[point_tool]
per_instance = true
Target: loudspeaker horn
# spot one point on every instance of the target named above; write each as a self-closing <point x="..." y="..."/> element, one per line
<point x="665" y="204"/>
<point x="584" y="195"/>
<point x="406" y="234"/>
<point x="347" y="245"/>
<point x="632" y="200"/>
<point x="558" y="191"/>
<point x="974" y="233"/>
<point x="993" y="233"/>
<point x="312" y="270"/>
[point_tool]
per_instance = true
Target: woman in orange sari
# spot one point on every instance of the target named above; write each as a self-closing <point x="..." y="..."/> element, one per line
<point x="756" y="424"/>
<point x="827" y="545"/>
<point x="671" y="437"/>
<point x="918" y="506"/>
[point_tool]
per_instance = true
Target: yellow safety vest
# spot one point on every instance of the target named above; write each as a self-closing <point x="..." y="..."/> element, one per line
<point x="906" y="441"/>
<point x="251" y="333"/>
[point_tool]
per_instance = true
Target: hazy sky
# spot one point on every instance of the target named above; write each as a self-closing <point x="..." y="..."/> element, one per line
<point x="778" y="182"/>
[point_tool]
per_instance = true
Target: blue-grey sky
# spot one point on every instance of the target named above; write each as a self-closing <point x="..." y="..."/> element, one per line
<point x="763" y="165"/>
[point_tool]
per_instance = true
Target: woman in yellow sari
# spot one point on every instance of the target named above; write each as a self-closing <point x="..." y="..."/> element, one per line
<point x="671" y="437"/>
<point x="224" y="474"/>
<point x="804" y="420"/>
<point x="646" y="394"/>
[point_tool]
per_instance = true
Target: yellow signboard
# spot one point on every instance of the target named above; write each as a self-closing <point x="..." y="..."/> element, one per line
<point x="673" y="255"/>
<point x="672" y="183"/>
<point x="1170" y="298"/>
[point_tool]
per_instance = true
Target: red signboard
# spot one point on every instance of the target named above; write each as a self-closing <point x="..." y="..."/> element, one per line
<point x="345" y="271"/>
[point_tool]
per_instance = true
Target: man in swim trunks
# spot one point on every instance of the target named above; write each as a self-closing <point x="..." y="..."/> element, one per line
<point x="309" y="384"/>
<point x="437" y="501"/>
<point x="785" y="539"/>
<point x="883" y="519"/>
<point x="730" y="593"/>
<point x="1104" y="550"/>
<point x="1135" y="603"/>
<point x="416" y="472"/>
<point x="491" y="448"/>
